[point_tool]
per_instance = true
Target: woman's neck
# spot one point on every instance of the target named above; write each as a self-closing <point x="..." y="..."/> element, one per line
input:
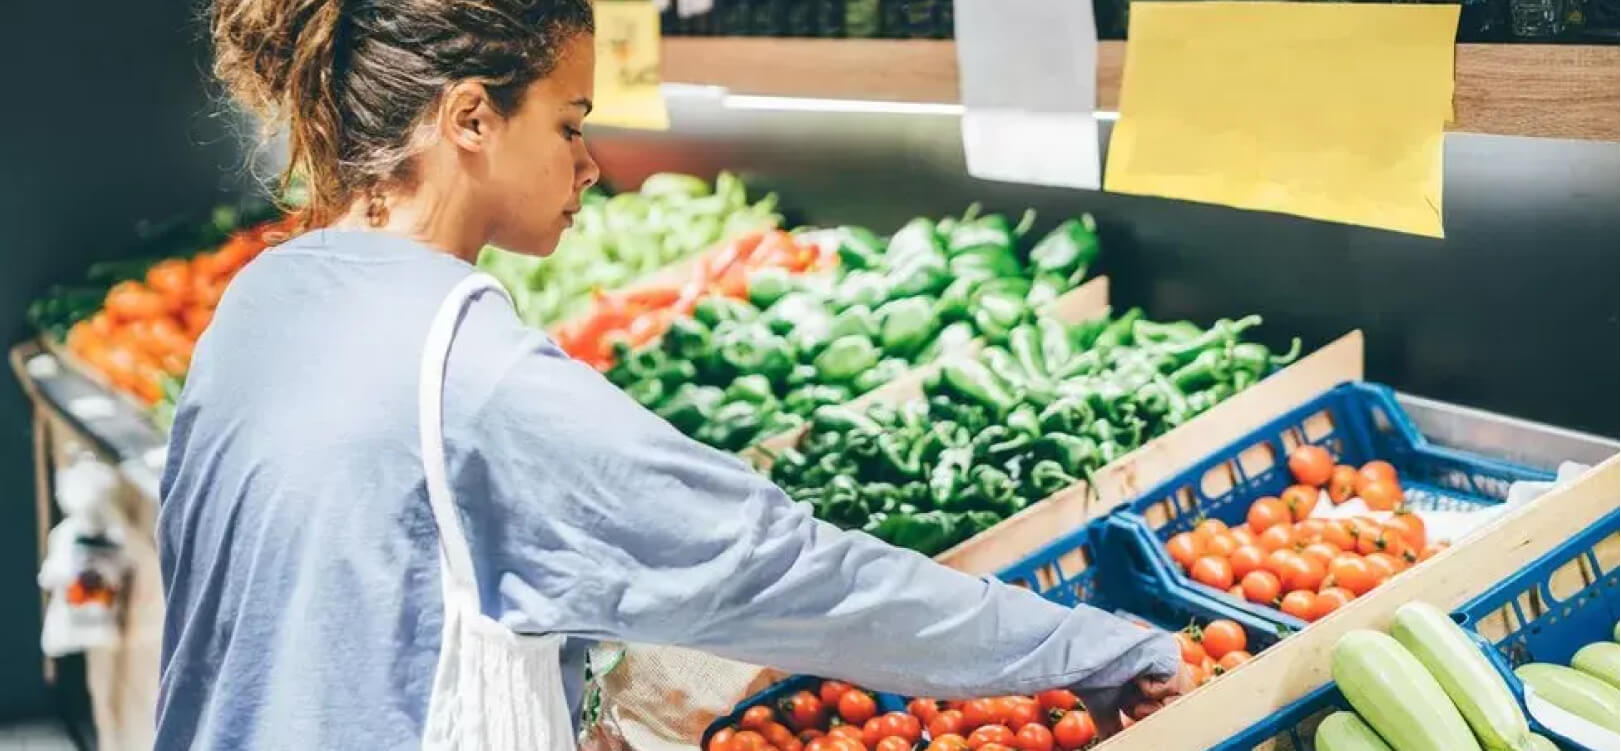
<point x="445" y="225"/>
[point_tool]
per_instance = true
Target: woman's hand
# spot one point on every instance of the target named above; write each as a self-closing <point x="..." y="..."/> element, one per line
<point x="1136" y="700"/>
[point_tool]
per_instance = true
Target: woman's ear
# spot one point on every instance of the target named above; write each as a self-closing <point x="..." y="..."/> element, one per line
<point x="467" y="117"/>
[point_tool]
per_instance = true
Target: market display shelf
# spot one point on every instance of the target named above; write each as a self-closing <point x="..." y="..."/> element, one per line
<point x="1541" y="90"/>
<point x="1281" y="683"/>
<point x="1356" y="423"/>
<point x="1089" y="566"/>
<point x="1542" y="627"/>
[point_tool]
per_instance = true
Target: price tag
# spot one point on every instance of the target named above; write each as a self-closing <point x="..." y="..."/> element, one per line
<point x="1332" y="111"/>
<point x="627" y="76"/>
<point x="1028" y="78"/>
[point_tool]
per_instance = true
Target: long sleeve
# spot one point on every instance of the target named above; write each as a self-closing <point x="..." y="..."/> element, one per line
<point x="590" y="516"/>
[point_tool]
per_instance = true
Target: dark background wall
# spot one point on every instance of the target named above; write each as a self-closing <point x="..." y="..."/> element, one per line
<point x="110" y="129"/>
<point x="106" y="128"/>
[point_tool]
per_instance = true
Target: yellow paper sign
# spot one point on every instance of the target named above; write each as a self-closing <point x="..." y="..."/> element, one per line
<point x="1332" y="111"/>
<point x="627" y="75"/>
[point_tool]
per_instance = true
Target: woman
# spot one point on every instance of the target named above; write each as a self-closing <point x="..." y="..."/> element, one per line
<point x="395" y="517"/>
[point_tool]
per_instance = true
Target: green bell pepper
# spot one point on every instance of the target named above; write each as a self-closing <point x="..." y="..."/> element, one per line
<point x="845" y="358"/>
<point x="957" y="301"/>
<point x="859" y="248"/>
<point x="989" y="230"/>
<point x="713" y="309"/>
<point x="868" y="288"/>
<point x="929" y="532"/>
<point x="905" y="325"/>
<point x="919" y="275"/>
<point x="1069" y="250"/>
<point x="806" y="399"/>
<point x="753" y="388"/>
<point x="995" y="315"/>
<point x="686" y="338"/>
<point x="985" y="262"/>
<point x="856" y="320"/>
<point x="768" y="285"/>
<point x="973" y="381"/>
<point x="952" y="338"/>
<point x="887" y="370"/>
<point x="914" y="239"/>
<point x="691" y="406"/>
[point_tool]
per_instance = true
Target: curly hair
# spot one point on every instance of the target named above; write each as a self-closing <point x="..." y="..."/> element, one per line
<point x="349" y="81"/>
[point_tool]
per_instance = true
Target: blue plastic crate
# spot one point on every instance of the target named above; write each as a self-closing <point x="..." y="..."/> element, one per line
<point x="1088" y="566"/>
<point x="784" y="689"/>
<point x="1356" y="423"/>
<point x="1539" y="623"/>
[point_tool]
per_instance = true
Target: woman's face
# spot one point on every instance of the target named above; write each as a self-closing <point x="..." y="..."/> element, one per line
<point x="538" y="166"/>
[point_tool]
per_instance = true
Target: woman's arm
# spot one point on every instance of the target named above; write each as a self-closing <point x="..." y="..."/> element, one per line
<point x="592" y="516"/>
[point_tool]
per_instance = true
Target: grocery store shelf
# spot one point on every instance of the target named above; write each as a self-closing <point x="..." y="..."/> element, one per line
<point x="1554" y="91"/>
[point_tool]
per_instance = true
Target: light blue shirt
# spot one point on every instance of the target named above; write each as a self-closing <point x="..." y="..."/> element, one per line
<point x="299" y="553"/>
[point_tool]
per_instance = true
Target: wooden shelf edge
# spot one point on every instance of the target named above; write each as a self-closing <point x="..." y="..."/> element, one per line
<point x="1540" y="90"/>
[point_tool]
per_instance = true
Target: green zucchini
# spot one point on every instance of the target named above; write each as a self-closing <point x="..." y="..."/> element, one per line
<point x="1575" y="692"/>
<point x="1539" y="743"/>
<point x="1394" y="694"/>
<point x="1344" y="731"/>
<point x="1601" y="659"/>
<point x="1475" y="687"/>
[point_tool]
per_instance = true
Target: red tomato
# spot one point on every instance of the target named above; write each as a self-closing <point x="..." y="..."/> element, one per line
<point x="1266" y="513"/>
<point x="1383" y="564"/>
<point x="1310" y="531"/>
<point x="1411" y="527"/>
<point x="1020" y="711"/>
<point x="1223" y="636"/>
<point x="1311" y="465"/>
<point x="1381" y="495"/>
<point x="1221" y="545"/>
<point x="1321" y="552"/>
<point x="872" y="731"/>
<point x="924" y="709"/>
<point x="1034" y="737"/>
<point x="987" y="734"/>
<point x="1058" y="699"/>
<point x="949" y="722"/>
<point x="848" y="732"/>
<point x="778" y="735"/>
<point x="721" y="740"/>
<point x="1376" y="470"/>
<point x="803" y="710"/>
<point x="947" y="742"/>
<point x="1245" y="559"/>
<point x="1242" y="534"/>
<point x="1277" y="537"/>
<point x="1301" y="500"/>
<point x="1209" y="528"/>
<point x="1279" y="562"/>
<point x="901" y="724"/>
<point x="856" y="707"/>
<point x="1341" y="534"/>
<point x="1342" y="484"/>
<point x="1074" y="730"/>
<point x="1192" y="651"/>
<point x="1300" y="604"/>
<point x="1330" y="600"/>
<point x="1304" y="573"/>
<point x="893" y="743"/>
<point x="1232" y="660"/>
<point x="748" y="740"/>
<point x="757" y="717"/>
<point x="1213" y="571"/>
<point x="1353" y="574"/>
<point x="995" y="747"/>
<point x="1262" y="587"/>
<point x="979" y="712"/>
<point x="1185" y="548"/>
<point x="843" y="743"/>
<point x="811" y="734"/>
<point x="831" y="691"/>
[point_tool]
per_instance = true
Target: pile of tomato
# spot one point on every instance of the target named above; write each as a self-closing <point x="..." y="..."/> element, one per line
<point x="841" y="717"/>
<point x="1309" y="567"/>
<point x="1217" y="648"/>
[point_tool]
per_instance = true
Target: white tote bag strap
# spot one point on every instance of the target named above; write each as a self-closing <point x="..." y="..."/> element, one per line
<point x="457" y="569"/>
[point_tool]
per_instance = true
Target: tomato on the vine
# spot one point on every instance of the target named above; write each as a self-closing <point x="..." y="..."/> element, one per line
<point x="804" y="710"/>
<point x="1074" y="730"/>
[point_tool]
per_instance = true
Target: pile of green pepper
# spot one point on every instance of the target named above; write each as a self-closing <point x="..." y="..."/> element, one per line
<point x="735" y="372"/>
<point x="620" y="238"/>
<point x="1015" y="424"/>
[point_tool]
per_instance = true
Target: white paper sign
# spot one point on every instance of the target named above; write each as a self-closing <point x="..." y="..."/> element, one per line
<point x="1027" y="73"/>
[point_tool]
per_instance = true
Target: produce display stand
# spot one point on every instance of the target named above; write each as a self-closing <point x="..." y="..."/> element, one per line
<point x="122" y="679"/>
<point x="1300" y="664"/>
